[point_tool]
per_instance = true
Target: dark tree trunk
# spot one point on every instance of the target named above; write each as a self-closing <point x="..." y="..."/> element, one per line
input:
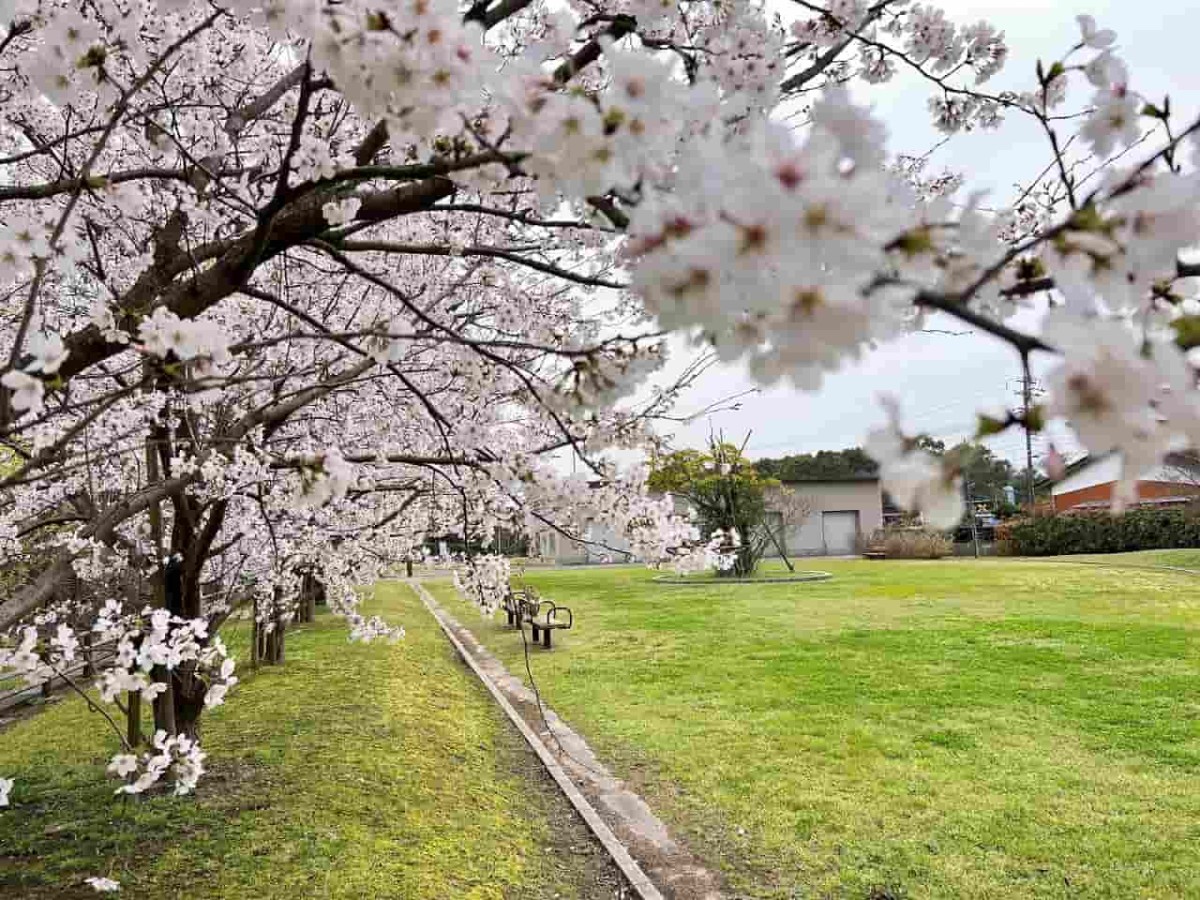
<point x="164" y="703"/>
<point x="188" y="692"/>
<point x="133" y="718"/>
<point x="271" y="639"/>
<point x="307" y="608"/>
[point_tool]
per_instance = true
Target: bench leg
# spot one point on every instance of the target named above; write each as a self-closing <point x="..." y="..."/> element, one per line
<point x="534" y="628"/>
<point x="549" y="631"/>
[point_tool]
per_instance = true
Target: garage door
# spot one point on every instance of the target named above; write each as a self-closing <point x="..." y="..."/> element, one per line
<point x="841" y="531"/>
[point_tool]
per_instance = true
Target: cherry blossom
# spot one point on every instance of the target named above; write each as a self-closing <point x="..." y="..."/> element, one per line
<point x="27" y="390"/>
<point x="484" y="581"/>
<point x="48" y="353"/>
<point x="385" y="271"/>
<point x="912" y="475"/>
<point x="1093" y="36"/>
<point x="177" y="755"/>
<point x="1113" y="120"/>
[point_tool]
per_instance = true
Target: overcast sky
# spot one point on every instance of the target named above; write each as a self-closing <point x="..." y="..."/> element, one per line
<point x="943" y="379"/>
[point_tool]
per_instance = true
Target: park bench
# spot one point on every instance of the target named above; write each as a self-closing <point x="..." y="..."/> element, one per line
<point x="547" y="617"/>
<point x="544" y="617"/>
<point x="520" y="606"/>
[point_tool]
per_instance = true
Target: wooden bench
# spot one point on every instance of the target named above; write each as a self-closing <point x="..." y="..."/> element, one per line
<point x="547" y="617"/>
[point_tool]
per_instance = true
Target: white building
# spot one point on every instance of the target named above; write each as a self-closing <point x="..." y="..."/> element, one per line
<point x="600" y="544"/>
<point x="840" y="512"/>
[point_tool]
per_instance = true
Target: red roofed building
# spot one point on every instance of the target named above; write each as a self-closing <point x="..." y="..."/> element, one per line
<point x="1088" y="484"/>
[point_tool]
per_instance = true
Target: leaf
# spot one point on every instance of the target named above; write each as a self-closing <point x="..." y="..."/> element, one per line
<point x="1187" y="332"/>
<point x="989" y="425"/>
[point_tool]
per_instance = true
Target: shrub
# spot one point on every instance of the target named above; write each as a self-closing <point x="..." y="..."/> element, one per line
<point x="1138" y="529"/>
<point x="911" y="543"/>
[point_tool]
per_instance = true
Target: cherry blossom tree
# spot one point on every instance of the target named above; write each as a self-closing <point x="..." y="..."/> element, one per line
<point x="291" y="285"/>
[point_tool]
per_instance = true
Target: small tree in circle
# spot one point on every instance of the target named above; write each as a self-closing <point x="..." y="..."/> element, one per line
<point x="729" y="497"/>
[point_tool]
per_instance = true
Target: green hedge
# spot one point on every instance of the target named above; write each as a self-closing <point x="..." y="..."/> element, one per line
<point x="1138" y="529"/>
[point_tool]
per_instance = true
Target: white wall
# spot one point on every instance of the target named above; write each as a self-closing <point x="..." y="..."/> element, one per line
<point x="555" y="546"/>
<point x="865" y="497"/>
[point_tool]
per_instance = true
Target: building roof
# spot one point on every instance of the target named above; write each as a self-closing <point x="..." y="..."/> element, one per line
<point x="1180" y="459"/>
<point x="1087" y="471"/>
<point x="832" y="479"/>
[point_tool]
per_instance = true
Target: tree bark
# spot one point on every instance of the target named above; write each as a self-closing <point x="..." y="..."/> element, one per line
<point x="271" y="642"/>
<point x="133" y="718"/>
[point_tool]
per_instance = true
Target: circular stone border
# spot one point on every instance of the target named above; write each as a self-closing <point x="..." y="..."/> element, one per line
<point x="794" y="578"/>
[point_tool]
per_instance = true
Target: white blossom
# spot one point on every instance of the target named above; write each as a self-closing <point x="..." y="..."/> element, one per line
<point x="47" y="351"/>
<point x="1093" y="36"/>
<point x="341" y="212"/>
<point x="28" y="390"/>
<point x="915" y="478"/>
<point x="1113" y="121"/>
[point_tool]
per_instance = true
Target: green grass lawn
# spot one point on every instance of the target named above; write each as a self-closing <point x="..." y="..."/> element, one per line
<point x="953" y="729"/>
<point x="1182" y="559"/>
<point x="352" y="772"/>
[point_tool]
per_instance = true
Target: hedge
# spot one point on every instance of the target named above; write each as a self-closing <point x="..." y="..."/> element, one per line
<point x="1138" y="529"/>
<point x="910" y="543"/>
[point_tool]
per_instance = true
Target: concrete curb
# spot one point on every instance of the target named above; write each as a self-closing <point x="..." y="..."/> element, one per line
<point x="633" y="873"/>
<point x="797" y="578"/>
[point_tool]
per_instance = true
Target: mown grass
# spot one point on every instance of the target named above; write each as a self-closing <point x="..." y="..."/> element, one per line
<point x="952" y="729"/>
<point x="351" y="772"/>
<point x="1182" y="559"/>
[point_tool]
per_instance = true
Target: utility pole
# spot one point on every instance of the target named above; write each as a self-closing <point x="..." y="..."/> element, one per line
<point x="1028" y="390"/>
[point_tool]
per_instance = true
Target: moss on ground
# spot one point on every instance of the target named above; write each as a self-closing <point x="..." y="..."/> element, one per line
<point x="950" y="729"/>
<point x="351" y="772"/>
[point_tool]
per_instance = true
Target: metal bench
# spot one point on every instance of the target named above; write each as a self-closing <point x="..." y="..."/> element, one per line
<point x="520" y="606"/>
<point x="548" y="617"/>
